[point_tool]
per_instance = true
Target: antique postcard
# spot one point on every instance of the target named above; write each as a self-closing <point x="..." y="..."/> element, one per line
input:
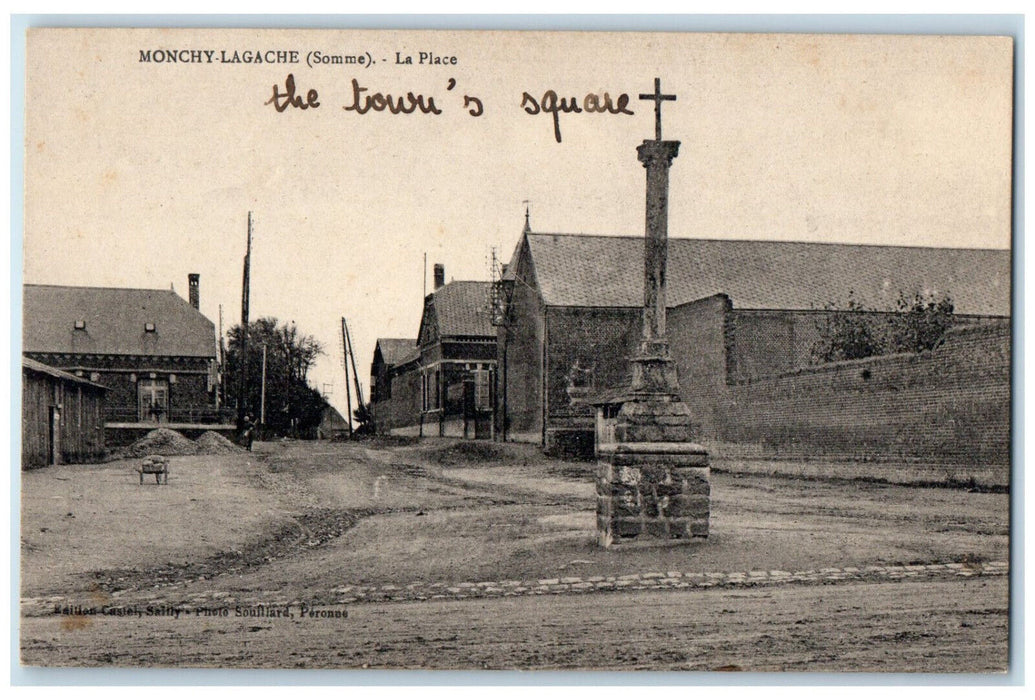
<point x="598" y="351"/>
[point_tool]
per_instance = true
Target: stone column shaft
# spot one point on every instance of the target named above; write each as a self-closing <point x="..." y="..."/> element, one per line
<point x="650" y="368"/>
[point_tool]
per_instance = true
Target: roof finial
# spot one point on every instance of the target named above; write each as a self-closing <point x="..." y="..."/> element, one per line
<point x="528" y="226"/>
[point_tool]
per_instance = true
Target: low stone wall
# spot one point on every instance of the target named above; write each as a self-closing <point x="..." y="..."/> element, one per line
<point x="407" y="431"/>
<point x="569" y="444"/>
<point x="730" y="459"/>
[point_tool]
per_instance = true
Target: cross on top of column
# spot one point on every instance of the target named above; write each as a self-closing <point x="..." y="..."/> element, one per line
<point x="657" y="98"/>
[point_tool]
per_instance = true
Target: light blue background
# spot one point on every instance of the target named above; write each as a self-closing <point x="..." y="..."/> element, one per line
<point x="1008" y="25"/>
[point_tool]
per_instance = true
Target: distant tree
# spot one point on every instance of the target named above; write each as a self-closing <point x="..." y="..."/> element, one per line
<point x="847" y="332"/>
<point x="920" y="323"/>
<point x="364" y="416"/>
<point x="292" y="406"/>
<point x="852" y="331"/>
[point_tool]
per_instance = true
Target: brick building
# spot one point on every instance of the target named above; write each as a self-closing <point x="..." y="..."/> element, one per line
<point x="739" y="311"/>
<point x="153" y="351"/>
<point x="395" y="382"/>
<point x="446" y="387"/>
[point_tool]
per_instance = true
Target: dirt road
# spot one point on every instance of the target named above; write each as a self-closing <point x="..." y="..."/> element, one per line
<point x="317" y="522"/>
<point x="900" y="627"/>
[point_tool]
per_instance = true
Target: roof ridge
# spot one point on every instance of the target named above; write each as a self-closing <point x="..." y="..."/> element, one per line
<point x="764" y="240"/>
<point x="115" y="289"/>
<point x="464" y="282"/>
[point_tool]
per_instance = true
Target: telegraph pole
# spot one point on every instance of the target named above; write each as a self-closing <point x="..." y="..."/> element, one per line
<point x="262" y="402"/>
<point x="345" y="365"/>
<point x="242" y="386"/>
<point x="352" y="355"/>
<point x="221" y="366"/>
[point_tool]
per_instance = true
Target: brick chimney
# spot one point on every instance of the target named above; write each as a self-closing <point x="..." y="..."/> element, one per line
<point x="194" y="289"/>
<point x="440" y="275"/>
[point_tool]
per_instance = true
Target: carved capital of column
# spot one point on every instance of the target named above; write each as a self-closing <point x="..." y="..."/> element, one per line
<point x="654" y="153"/>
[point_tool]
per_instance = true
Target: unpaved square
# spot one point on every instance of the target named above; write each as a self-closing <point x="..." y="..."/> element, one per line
<point x="300" y="521"/>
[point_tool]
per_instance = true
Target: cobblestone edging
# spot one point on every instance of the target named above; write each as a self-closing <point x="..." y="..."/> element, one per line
<point x="671" y="580"/>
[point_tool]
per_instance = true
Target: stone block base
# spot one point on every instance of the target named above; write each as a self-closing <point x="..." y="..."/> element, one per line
<point x="652" y="490"/>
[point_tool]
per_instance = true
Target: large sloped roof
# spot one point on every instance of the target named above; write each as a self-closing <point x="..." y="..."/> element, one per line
<point x="462" y="309"/>
<point x="395" y="351"/>
<point x="607" y="271"/>
<point x="115" y="322"/>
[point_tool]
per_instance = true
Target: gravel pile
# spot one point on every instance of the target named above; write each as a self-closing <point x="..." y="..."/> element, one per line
<point x="161" y="441"/>
<point x="212" y="443"/>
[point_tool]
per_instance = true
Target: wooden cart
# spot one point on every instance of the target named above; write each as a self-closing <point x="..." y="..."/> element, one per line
<point x="157" y="465"/>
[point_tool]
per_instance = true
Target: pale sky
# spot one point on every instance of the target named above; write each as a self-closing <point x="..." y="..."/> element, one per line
<point x="140" y="173"/>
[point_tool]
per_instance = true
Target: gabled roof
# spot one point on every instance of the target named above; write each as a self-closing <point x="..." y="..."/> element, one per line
<point x="34" y="366"/>
<point x="114" y="322"/>
<point x="396" y="351"/>
<point x="607" y="271"/>
<point x="461" y="309"/>
<point x="331" y="419"/>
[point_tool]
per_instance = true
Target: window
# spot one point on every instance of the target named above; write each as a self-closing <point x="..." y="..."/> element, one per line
<point x="429" y="391"/>
<point x="153" y="400"/>
<point x="482" y="390"/>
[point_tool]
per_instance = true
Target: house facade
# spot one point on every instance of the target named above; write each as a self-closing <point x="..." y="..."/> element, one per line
<point x="443" y="385"/>
<point x="153" y="351"/>
<point x="395" y="383"/>
<point x="739" y="311"/>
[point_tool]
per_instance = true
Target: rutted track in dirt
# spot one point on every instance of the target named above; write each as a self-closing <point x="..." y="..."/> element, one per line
<point x="501" y="494"/>
<point x="308" y="530"/>
<point x="313" y="528"/>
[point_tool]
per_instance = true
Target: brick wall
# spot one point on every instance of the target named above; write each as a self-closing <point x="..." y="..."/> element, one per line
<point x="402" y="408"/>
<point x="949" y="405"/>
<point x="520" y="354"/>
<point x="697" y="340"/>
<point x="588" y="350"/>
<point x="189" y="397"/>
<point x="763" y="343"/>
<point x="469" y="350"/>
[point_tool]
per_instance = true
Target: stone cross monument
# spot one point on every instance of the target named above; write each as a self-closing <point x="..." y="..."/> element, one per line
<point x="652" y="481"/>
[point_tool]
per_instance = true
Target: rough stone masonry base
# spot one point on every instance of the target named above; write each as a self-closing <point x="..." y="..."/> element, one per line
<point x="658" y="489"/>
